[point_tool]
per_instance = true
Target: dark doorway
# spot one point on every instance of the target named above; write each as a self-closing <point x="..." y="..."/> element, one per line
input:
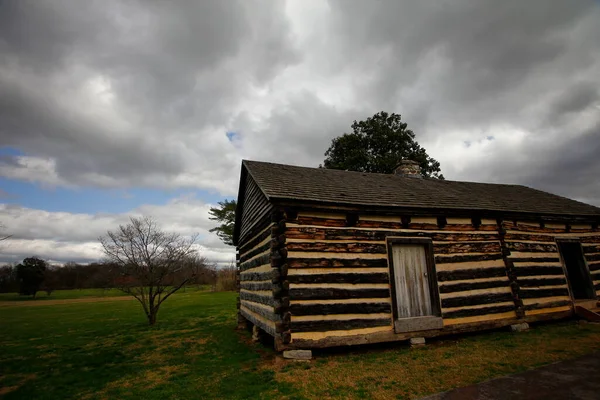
<point x="577" y="272"/>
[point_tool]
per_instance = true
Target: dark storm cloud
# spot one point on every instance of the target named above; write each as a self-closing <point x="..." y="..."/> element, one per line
<point x="488" y="53"/>
<point x="137" y="93"/>
<point x="572" y="170"/>
<point x="169" y="74"/>
<point x="476" y="66"/>
<point x="576" y="98"/>
<point x="165" y="73"/>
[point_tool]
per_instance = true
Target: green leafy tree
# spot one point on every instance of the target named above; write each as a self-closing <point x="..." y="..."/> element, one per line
<point x="225" y="215"/>
<point x="30" y="275"/>
<point x="379" y="144"/>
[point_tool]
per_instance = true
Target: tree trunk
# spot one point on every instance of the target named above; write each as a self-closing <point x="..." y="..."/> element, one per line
<point x="152" y="317"/>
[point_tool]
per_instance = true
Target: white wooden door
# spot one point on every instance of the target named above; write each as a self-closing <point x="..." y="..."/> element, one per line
<point x="413" y="297"/>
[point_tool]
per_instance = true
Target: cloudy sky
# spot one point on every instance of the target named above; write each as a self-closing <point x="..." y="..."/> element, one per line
<point x="118" y="108"/>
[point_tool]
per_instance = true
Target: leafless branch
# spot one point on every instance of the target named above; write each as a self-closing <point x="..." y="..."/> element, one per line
<point x="151" y="262"/>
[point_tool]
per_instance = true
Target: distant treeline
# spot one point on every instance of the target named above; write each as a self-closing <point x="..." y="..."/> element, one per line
<point x="34" y="274"/>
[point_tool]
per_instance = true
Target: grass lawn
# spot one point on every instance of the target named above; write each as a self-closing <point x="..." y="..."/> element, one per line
<point x="73" y="294"/>
<point x="105" y="350"/>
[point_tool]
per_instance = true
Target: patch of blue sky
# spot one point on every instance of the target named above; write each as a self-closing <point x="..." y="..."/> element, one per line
<point x="91" y="200"/>
<point x="232" y="136"/>
<point x="10" y="151"/>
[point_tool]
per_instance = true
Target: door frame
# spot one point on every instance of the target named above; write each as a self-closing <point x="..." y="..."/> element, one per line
<point x="434" y="293"/>
<point x="560" y="240"/>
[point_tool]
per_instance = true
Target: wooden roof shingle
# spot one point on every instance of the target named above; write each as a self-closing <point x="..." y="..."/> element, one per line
<point x="287" y="182"/>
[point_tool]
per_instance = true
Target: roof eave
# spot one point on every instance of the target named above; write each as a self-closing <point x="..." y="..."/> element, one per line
<point x="440" y="210"/>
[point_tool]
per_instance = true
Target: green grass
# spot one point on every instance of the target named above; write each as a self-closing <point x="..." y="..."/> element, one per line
<point x="105" y="350"/>
<point x="76" y="294"/>
<point x="62" y="295"/>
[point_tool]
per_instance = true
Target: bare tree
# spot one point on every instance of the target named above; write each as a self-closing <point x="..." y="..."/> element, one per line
<point x="151" y="262"/>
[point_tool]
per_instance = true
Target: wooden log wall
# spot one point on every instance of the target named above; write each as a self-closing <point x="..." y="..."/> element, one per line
<point x="538" y="272"/>
<point x="339" y="282"/>
<point x="471" y="274"/>
<point x="256" y="300"/>
<point x="255" y="210"/>
<point x="310" y="276"/>
<point x="281" y="285"/>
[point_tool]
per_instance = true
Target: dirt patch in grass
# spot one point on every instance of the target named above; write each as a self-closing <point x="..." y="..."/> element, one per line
<point x="22" y="379"/>
<point x="402" y="372"/>
<point x="145" y="380"/>
<point x="63" y="301"/>
<point x="149" y="379"/>
<point x="162" y="348"/>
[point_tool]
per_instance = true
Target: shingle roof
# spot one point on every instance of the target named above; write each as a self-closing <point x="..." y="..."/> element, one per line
<point x="287" y="182"/>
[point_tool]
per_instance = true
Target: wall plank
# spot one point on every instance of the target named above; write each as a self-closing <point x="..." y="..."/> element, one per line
<point x="331" y="293"/>
<point x="350" y="278"/>
<point x="340" y="308"/>
<point x="337" y="325"/>
<point x="477" y="299"/>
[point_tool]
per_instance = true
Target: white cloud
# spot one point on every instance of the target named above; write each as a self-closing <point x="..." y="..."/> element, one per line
<point x="32" y="169"/>
<point x="63" y="236"/>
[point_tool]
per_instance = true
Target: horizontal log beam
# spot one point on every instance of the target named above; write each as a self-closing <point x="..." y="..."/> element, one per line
<point x="311" y="233"/>
<point x="335" y="293"/>
<point x="532" y="237"/>
<point x="534" y="259"/>
<point x="535" y="270"/>
<point x="443" y="259"/>
<point x="380" y="277"/>
<point x="335" y="263"/>
<point x="592" y="257"/>
<point x="454" y="248"/>
<point x="423" y="226"/>
<point x="256" y="276"/>
<point x="589" y="239"/>
<point x="532" y="247"/>
<point x="594" y="266"/>
<point x="528" y="228"/>
<point x="337" y="325"/>
<point x="542" y="282"/>
<point x="255" y="240"/>
<point x="340" y="308"/>
<point x="337" y="247"/>
<point x="302" y="220"/>
<point x="256" y="285"/>
<point x="476" y="300"/>
<point x="553" y="304"/>
<point x="257" y="298"/>
<point x="473" y="312"/>
<point x="262" y="311"/>
<point x="539" y="293"/>
<point x="256" y="251"/>
<point x="257" y="262"/>
<point x="474" y="273"/>
<point x="461" y="287"/>
<point x="267" y="328"/>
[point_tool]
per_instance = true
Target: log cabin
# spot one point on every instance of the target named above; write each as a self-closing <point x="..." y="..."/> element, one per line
<point x="334" y="258"/>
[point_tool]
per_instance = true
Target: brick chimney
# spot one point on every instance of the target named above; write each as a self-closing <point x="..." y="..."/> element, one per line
<point x="408" y="168"/>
